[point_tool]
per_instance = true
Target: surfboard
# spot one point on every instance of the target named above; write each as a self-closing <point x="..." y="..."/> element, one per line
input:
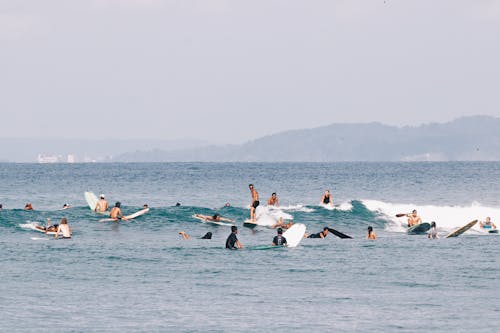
<point x="461" y="230"/>
<point x="128" y="217"/>
<point x="338" y="233"/>
<point x="36" y="227"/>
<point x="295" y="234"/>
<point x="419" y="229"/>
<point x="202" y="219"/>
<point x="249" y="224"/>
<point x="494" y="231"/>
<point x="265" y="247"/>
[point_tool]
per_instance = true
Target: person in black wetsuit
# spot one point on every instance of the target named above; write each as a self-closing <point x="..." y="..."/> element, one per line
<point x="232" y="241"/>
<point x="279" y="239"/>
<point x="321" y="234"/>
<point x="327" y="199"/>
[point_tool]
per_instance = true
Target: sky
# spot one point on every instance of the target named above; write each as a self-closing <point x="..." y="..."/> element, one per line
<point x="228" y="71"/>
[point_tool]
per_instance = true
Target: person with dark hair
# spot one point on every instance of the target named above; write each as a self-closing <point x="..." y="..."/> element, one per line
<point x="66" y="206"/>
<point x="64" y="229"/>
<point x="1" y="206"/>
<point x="371" y="234"/>
<point x="326" y="198"/>
<point x="184" y="235"/>
<point x="178" y="204"/>
<point x="413" y="218"/>
<point x="28" y="206"/>
<point x="232" y="241"/>
<point x="279" y="239"/>
<point x="273" y="200"/>
<point x="116" y="212"/>
<point x="433" y="231"/>
<point x="214" y="218"/>
<point x="255" y="202"/>
<point x="321" y="234"/>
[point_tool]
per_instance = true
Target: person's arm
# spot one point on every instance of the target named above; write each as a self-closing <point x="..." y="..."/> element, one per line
<point x="56" y="236"/>
<point x="322" y="199"/>
<point x="239" y="245"/>
<point x="321" y="235"/>
<point x="226" y="219"/>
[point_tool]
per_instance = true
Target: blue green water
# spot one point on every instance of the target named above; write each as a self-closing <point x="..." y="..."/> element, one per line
<point x="142" y="276"/>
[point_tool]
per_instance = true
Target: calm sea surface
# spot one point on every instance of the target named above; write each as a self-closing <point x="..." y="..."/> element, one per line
<point x="141" y="276"/>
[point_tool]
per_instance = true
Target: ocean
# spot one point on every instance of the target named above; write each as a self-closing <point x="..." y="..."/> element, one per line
<point x="141" y="276"/>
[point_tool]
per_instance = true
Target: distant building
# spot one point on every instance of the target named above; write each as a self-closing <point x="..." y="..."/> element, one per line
<point x="71" y="158"/>
<point x="47" y="158"/>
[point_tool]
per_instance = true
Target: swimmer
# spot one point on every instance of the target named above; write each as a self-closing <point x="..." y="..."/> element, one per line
<point x="279" y="239"/>
<point x="232" y="241"/>
<point x="413" y="219"/>
<point x="184" y="235"/>
<point x="116" y="212"/>
<point x="273" y="200"/>
<point x="145" y="206"/>
<point x="66" y="206"/>
<point x="28" y="206"/>
<point x="177" y="204"/>
<point x="255" y="202"/>
<point x="214" y="218"/>
<point x="64" y="229"/>
<point x="371" y="234"/>
<point x="433" y="231"/>
<point x="321" y="234"/>
<point x="487" y="224"/>
<point x="102" y="205"/>
<point x="327" y="198"/>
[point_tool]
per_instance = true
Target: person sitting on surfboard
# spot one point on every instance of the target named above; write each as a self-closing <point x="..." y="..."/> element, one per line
<point x="371" y="234"/>
<point x="327" y="198"/>
<point x="102" y="205"/>
<point x="28" y="206"/>
<point x="255" y="202"/>
<point x="64" y="229"/>
<point x="273" y="200"/>
<point x="232" y="241"/>
<point x="487" y="224"/>
<point x="321" y="234"/>
<point x="279" y="239"/>
<point x="433" y="234"/>
<point x="116" y="212"/>
<point x="413" y="218"/>
<point x="214" y="218"/>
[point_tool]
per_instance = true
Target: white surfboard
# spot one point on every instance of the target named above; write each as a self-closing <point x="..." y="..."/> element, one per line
<point x="295" y="234"/>
<point x="91" y="199"/>
<point x="204" y="220"/>
<point x="128" y="217"/>
<point x="34" y="225"/>
<point x="263" y="220"/>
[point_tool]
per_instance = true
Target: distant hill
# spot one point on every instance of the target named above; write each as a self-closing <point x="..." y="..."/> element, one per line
<point x="474" y="138"/>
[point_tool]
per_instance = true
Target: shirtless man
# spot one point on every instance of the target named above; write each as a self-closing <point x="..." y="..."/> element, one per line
<point x="273" y="200"/>
<point x="102" y="205"/>
<point x="64" y="229"/>
<point x="413" y="219"/>
<point x="255" y="202"/>
<point x="214" y="218"/>
<point x="327" y="199"/>
<point x="116" y="212"/>
<point x="371" y="234"/>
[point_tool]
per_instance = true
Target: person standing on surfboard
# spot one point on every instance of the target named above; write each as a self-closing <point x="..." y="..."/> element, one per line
<point x="116" y="212"/>
<point x="273" y="200"/>
<point x="413" y="218"/>
<point x="232" y="241"/>
<point x="327" y="199"/>
<point x="279" y="239"/>
<point x="255" y="202"/>
<point x="102" y="205"/>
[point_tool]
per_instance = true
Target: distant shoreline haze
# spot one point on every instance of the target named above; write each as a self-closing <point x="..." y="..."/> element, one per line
<point x="475" y="138"/>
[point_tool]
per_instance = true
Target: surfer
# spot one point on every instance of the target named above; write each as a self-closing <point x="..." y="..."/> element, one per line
<point x="255" y="202"/>
<point x="28" y="206"/>
<point x="321" y="234"/>
<point x="282" y="224"/>
<point x="102" y="205"/>
<point x="66" y="206"/>
<point x="487" y="224"/>
<point x="116" y="212"/>
<point x="63" y="228"/>
<point x="232" y="241"/>
<point x="48" y="227"/>
<point x="184" y="235"/>
<point x="279" y="239"/>
<point x="371" y="233"/>
<point x="413" y="218"/>
<point x="214" y="218"/>
<point x="145" y="206"/>
<point x="1" y="206"/>
<point x="433" y="234"/>
<point x="327" y="199"/>
<point x="273" y="200"/>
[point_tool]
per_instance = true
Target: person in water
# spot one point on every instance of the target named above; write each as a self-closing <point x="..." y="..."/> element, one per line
<point x="66" y="206"/>
<point x="64" y="229"/>
<point x="116" y="212"/>
<point x="413" y="218"/>
<point x="178" y="204"/>
<point x="214" y="218"/>
<point x="433" y="234"/>
<point x="281" y="224"/>
<point x="102" y="205"/>
<point x="279" y="239"/>
<point x="255" y="202"/>
<point x="184" y="235"/>
<point x="321" y="234"/>
<point x="48" y="227"/>
<point x="273" y="200"/>
<point x="232" y="241"/>
<point x="28" y="206"/>
<point x="1" y="206"/>
<point x="327" y="198"/>
<point x="145" y="206"/>
<point x="487" y="224"/>
<point x="371" y="233"/>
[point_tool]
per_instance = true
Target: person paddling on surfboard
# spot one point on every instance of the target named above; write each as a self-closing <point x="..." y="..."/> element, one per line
<point x="232" y="241"/>
<point x="321" y="234"/>
<point x="279" y="239"/>
<point x="214" y="218"/>
<point x="487" y="224"/>
<point x="327" y="198"/>
<point x="116" y="212"/>
<point x="102" y="205"/>
<point x="255" y="202"/>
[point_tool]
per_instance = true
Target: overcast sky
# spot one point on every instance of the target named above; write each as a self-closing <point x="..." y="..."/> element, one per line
<point x="227" y="71"/>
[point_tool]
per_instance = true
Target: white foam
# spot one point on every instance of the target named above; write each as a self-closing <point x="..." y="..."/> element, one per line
<point x="344" y="206"/>
<point x="297" y="208"/>
<point x="446" y="217"/>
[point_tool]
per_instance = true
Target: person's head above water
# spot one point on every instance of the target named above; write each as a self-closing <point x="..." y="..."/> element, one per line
<point x="273" y="194"/>
<point x="178" y="204"/>
<point x="145" y="206"/>
<point x="216" y="216"/>
<point x="370" y="229"/>
<point x="280" y="231"/>
<point x="250" y="186"/>
<point x="118" y="204"/>
<point x="234" y="229"/>
<point x="102" y="196"/>
<point x="433" y="224"/>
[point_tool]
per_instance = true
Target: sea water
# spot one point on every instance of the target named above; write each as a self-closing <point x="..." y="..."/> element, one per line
<point x="142" y="276"/>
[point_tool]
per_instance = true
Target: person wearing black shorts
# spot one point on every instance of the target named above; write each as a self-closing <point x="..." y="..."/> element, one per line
<point x="255" y="202"/>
